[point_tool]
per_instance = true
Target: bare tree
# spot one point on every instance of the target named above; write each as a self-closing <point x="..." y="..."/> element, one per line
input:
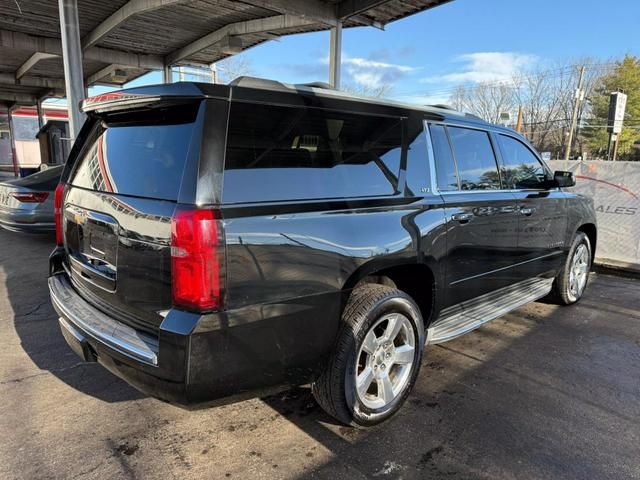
<point x="379" y="91"/>
<point x="486" y="100"/>
<point x="458" y="99"/>
<point x="546" y="97"/>
<point x="535" y="93"/>
<point x="233" y="67"/>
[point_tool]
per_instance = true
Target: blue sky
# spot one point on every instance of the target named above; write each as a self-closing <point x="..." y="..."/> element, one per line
<point x="426" y="55"/>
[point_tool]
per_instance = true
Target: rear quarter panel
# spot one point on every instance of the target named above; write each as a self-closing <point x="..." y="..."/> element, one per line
<point x="289" y="274"/>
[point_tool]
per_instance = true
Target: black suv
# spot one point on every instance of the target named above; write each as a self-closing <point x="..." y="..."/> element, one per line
<point x="223" y="241"/>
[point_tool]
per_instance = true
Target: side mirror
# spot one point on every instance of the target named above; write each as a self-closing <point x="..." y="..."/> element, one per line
<point x="564" y="179"/>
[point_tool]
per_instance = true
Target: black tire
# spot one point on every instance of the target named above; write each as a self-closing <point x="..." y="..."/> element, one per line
<point x="335" y="388"/>
<point x="562" y="292"/>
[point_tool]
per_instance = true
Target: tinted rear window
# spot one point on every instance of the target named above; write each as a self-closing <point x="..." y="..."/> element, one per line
<point x="285" y="153"/>
<point x="477" y="167"/>
<point x="139" y="154"/>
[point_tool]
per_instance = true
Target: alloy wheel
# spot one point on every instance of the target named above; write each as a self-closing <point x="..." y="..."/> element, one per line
<point x="385" y="361"/>
<point x="579" y="271"/>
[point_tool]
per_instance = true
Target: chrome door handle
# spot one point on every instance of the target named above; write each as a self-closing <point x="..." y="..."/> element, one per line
<point x="462" y="217"/>
<point x="527" y="211"/>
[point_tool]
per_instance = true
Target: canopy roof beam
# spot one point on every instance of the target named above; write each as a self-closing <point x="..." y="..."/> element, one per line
<point x="18" y="98"/>
<point x="349" y="8"/>
<point x="38" y="82"/>
<point x="104" y="72"/>
<point x="262" y="25"/>
<point x="128" y="10"/>
<point x="313" y="10"/>
<point x="31" y="62"/>
<point x="21" y="41"/>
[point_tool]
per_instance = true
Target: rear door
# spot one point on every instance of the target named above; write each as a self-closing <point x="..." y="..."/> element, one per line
<point x="542" y="209"/>
<point x="481" y="217"/>
<point x="122" y="194"/>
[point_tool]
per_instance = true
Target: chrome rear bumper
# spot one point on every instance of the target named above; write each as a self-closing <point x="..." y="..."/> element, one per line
<point x="79" y="319"/>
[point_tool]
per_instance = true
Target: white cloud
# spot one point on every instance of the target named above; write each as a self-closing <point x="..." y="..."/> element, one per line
<point x="372" y="73"/>
<point x="423" y="99"/>
<point x="486" y="67"/>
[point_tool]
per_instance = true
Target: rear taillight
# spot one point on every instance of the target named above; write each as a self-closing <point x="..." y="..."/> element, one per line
<point x="197" y="257"/>
<point x="30" y="197"/>
<point x="57" y="211"/>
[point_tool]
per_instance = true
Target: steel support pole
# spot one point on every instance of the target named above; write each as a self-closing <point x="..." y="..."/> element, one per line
<point x="167" y="74"/>
<point x="14" y="155"/>
<point x="40" y="115"/>
<point x="335" y="55"/>
<point x="72" y="58"/>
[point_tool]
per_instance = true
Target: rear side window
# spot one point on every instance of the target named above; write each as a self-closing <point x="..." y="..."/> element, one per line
<point x="418" y="178"/>
<point x="476" y="161"/>
<point x="292" y="153"/>
<point x="142" y="155"/>
<point x="445" y="166"/>
<point x="521" y="168"/>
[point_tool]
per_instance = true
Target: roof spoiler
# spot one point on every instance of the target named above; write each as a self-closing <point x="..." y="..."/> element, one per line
<point x="116" y="100"/>
<point x="141" y="97"/>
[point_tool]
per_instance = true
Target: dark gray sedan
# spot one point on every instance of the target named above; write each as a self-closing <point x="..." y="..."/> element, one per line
<point x="26" y="204"/>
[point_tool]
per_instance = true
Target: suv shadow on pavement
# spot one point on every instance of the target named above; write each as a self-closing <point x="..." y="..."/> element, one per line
<point x="546" y="392"/>
<point x="24" y="259"/>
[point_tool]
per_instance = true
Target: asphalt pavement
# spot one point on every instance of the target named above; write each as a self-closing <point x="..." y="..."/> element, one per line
<point x="545" y="392"/>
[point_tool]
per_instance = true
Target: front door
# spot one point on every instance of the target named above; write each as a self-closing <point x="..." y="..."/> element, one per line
<point x="542" y="209"/>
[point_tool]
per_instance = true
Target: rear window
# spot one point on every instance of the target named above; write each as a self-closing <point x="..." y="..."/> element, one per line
<point x="285" y="153"/>
<point x="141" y="154"/>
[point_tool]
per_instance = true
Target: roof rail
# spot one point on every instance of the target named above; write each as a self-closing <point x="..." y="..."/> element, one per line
<point x="255" y="82"/>
<point x="443" y="106"/>
<point x="472" y="115"/>
<point x="449" y="107"/>
<point x="324" y="85"/>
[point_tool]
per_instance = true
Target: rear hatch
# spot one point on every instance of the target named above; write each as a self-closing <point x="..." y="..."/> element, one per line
<point x="122" y="192"/>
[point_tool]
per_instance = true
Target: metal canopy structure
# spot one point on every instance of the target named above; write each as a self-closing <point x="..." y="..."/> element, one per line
<point x="123" y="39"/>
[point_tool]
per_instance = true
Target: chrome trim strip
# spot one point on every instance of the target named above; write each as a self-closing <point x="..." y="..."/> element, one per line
<point x="474" y="192"/>
<point x="101" y="328"/>
<point x="508" y="267"/>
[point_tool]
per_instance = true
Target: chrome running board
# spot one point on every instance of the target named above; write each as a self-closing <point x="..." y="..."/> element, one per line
<point x="464" y="317"/>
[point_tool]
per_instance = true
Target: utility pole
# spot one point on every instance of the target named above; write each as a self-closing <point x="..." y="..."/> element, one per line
<point x="520" y="118"/>
<point x="579" y="97"/>
<point x="615" y="147"/>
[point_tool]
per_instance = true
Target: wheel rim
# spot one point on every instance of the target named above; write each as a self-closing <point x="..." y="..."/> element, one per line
<point x="385" y="361"/>
<point x="579" y="271"/>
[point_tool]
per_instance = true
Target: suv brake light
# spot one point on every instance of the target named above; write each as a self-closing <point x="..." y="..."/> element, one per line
<point x="197" y="255"/>
<point x="57" y="211"/>
<point x="30" y="197"/>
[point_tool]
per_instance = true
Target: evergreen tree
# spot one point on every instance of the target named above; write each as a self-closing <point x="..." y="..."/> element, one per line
<point x="625" y="78"/>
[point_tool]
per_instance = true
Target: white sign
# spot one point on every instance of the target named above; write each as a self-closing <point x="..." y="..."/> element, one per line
<point x="546" y="156"/>
<point x="617" y="106"/>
